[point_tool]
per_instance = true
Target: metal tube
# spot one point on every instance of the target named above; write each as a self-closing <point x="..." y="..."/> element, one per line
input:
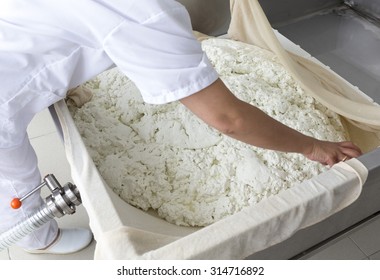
<point x="25" y="227"/>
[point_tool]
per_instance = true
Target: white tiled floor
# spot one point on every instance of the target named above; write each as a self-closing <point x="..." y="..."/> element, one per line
<point x="360" y="243"/>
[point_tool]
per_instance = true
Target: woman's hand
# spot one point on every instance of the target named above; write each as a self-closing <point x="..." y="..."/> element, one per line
<point x="329" y="153"/>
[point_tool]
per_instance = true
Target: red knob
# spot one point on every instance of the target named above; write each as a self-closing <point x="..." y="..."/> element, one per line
<point x="16" y="203"/>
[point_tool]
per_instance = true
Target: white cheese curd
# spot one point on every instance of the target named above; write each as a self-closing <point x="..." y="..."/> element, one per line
<point x="162" y="157"/>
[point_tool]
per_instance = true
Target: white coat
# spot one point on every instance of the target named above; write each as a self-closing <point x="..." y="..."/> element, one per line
<point x="48" y="47"/>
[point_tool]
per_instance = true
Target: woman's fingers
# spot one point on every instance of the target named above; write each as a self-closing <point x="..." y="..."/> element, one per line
<point x="330" y="153"/>
<point x="349" y="151"/>
<point x="351" y="145"/>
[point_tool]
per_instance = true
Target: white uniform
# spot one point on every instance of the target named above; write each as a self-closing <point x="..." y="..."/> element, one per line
<point x="48" y="47"/>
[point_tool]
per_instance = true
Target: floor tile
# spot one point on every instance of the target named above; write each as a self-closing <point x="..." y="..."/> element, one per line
<point x="51" y="156"/>
<point x="375" y="256"/>
<point x="41" y="124"/>
<point x="4" y="255"/>
<point x="367" y="238"/>
<point x="344" y="249"/>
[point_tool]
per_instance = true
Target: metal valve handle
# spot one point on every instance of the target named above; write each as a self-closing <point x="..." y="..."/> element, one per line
<point x="57" y="191"/>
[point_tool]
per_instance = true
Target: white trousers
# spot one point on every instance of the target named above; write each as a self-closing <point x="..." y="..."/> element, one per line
<point x="19" y="172"/>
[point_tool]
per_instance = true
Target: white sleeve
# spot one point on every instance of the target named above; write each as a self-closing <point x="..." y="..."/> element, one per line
<point x="161" y="55"/>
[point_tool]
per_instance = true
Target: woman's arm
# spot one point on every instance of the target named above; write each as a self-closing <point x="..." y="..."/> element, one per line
<point x="219" y="108"/>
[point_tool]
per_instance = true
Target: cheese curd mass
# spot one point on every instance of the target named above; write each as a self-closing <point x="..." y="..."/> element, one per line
<point x="162" y="157"/>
